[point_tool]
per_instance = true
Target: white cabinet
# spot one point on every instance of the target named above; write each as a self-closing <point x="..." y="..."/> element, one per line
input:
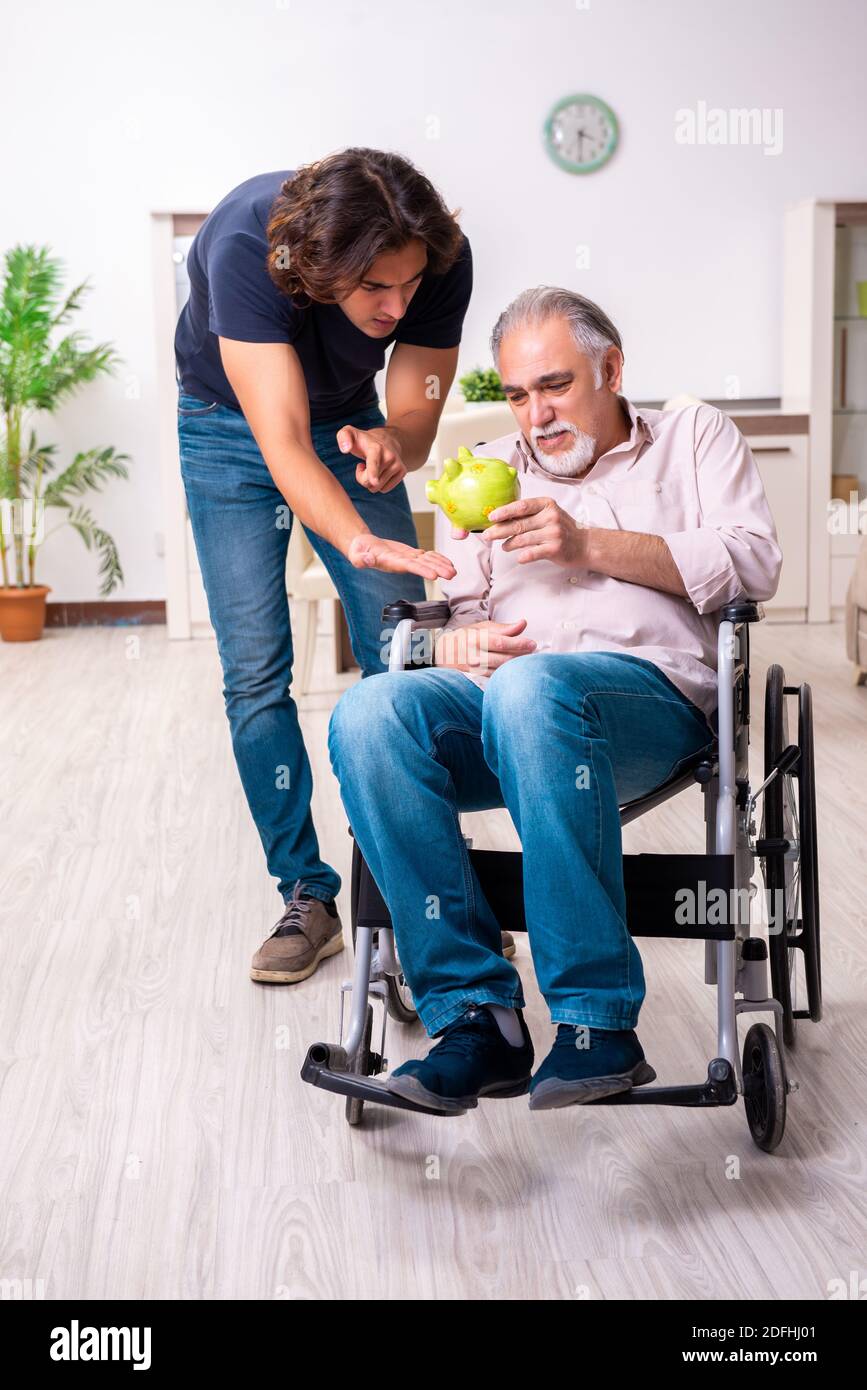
<point x="782" y="461"/>
<point x="825" y="373"/>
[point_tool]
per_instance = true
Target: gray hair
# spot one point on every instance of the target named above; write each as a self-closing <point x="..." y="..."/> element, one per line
<point x="590" y="326"/>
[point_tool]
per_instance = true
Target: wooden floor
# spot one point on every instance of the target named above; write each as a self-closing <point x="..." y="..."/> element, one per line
<point x="157" y="1141"/>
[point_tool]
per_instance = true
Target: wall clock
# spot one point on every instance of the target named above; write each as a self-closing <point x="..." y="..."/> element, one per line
<point x="581" y="134"/>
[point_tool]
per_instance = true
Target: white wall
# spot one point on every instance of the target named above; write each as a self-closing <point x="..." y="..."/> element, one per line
<point x="112" y="110"/>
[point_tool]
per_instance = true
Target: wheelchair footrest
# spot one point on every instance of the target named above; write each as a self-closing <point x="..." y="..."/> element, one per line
<point x="719" y="1089"/>
<point x="325" y="1066"/>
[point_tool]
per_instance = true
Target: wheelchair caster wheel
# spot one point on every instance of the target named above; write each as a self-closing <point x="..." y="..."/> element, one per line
<point x="764" y="1087"/>
<point x="362" y="1066"/>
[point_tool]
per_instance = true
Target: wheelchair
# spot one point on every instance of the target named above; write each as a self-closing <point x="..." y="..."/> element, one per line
<point x="755" y="972"/>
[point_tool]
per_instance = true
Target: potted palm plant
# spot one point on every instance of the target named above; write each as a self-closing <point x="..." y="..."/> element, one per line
<point x="38" y="373"/>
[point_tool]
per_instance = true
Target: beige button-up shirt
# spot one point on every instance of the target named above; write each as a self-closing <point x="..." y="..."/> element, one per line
<point x="686" y="475"/>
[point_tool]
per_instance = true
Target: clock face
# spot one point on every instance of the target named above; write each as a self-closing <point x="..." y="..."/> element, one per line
<point x="581" y="134"/>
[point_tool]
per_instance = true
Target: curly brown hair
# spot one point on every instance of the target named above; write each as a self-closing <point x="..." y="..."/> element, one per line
<point x="334" y="217"/>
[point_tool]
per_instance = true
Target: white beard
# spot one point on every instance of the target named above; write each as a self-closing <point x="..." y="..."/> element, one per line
<point x="572" y="462"/>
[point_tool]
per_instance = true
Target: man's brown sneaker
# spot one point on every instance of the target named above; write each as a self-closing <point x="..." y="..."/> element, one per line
<point x="308" y="931"/>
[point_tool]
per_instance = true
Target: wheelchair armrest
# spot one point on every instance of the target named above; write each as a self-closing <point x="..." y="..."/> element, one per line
<point x="431" y="614"/>
<point x="406" y="618"/>
<point x="747" y="611"/>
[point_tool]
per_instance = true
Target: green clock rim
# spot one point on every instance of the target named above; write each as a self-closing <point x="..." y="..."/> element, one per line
<point x="609" y="148"/>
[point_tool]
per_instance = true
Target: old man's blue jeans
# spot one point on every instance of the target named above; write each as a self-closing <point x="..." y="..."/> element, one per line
<point x="561" y="739"/>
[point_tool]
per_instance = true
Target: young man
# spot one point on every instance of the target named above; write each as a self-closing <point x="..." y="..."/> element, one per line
<point x="577" y="672"/>
<point x="299" y="282"/>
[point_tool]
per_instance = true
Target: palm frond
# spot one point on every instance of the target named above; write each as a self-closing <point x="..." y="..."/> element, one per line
<point x="88" y="470"/>
<point x="68" y="366"/>
<point x="32" y="372"/>
<point x="32" y="281"/>
<point x="71" y="303"/>
<point x="36" y="461"/>
<point x="111" y="573"/>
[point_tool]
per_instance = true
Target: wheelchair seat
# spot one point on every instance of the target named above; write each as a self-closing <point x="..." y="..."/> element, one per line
<point x="700" y="769"/>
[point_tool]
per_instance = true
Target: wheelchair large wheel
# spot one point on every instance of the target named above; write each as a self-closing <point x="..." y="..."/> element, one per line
<point x="791" y="874"/>
<point x="764" y="1087"/>
<point x="810" y="916"/>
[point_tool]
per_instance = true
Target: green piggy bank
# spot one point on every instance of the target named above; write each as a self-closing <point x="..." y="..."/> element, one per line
<point x="471" y="488"/>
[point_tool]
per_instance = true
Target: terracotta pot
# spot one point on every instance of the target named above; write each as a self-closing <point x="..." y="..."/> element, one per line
<point x="22" y="612"/>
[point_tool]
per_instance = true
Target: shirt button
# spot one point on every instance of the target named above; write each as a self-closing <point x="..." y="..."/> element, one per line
<point x="574" y="579"/>
<point x="657" y="487"/>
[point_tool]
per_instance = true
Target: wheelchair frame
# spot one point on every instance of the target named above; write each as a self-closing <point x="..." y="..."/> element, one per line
<point x="735" y="960"/>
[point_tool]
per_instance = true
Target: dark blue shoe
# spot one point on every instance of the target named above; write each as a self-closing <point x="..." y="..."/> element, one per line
<point x="588" y="1063"/>
<point x="471" y="1059"/>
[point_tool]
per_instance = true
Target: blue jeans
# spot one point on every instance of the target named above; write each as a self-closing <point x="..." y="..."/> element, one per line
<point x="561" y="739"/>
<point x="232" y="502"/>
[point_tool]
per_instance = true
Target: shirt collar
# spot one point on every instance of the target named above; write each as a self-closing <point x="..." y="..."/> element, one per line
<point x="640" y="433"/>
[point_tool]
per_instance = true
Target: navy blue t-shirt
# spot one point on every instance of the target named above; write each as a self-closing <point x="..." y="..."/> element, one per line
<point x="233" y="296"/>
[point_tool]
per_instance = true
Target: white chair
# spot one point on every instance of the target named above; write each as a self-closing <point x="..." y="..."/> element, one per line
<point x="684" y="399"/>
